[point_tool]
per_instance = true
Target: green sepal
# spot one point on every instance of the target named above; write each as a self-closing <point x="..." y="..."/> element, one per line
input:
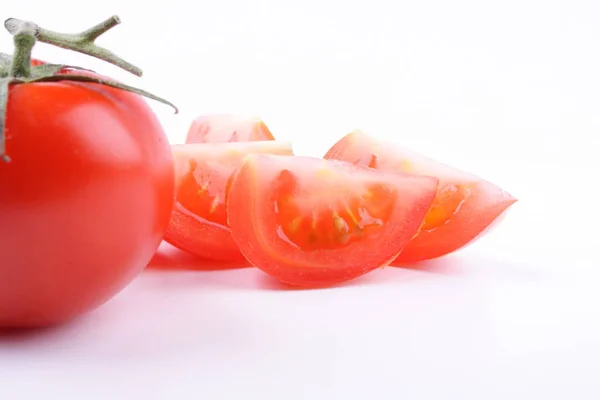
<point x="105" y="82"/>
<point x="4" y="84"/>
<point x="5" y="61"/>
<point x="43" y="70"/>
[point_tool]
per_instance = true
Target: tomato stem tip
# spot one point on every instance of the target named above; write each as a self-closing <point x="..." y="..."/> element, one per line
<point x="96" y="31"/>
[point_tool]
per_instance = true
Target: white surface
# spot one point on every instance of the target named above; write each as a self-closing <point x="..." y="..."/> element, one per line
<point x="508" y="90"/>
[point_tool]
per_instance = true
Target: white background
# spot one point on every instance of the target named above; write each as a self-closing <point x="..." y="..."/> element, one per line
<point x="509" y="90"/>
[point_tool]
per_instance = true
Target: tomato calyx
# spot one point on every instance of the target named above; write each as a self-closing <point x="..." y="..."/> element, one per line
<point x="17" y="69"/>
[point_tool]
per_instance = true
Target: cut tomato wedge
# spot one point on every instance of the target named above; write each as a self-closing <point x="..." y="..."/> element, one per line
<point x="204" y="172"/>
<point x="217" y="128"/>
<point x="465" y="205"/>
<point x="314" y="222"/>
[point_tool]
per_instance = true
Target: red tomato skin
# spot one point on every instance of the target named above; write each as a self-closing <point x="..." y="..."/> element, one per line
<point x="84" y="202"/>
<point x="474" y="218"/>
<point x="453" y="236"/>
<point x="195" y="235"/>
<point x="260" y="242"/>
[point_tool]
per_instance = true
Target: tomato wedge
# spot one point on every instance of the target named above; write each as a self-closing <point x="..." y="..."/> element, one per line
<point x="465" y="205"/>
<point x="314" y="222"/>
<point x="219" y="128"/>
<point x="203" y="173"/>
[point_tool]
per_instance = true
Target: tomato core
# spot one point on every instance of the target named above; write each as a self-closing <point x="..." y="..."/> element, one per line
<point x="309" y="223"/>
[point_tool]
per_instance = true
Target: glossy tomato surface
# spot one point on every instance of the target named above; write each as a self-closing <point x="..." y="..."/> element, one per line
<point x="204" y="172"/>
<point x="84" y="202"/>
<point x="227" y="128"/>
<point x="465" y="205"/>
<point x="314" y="222"/>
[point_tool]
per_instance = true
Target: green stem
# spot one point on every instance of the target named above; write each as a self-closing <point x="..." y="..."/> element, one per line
<point x="81" y="42"/>
<point x="24" y="40"/>
<point x="96" y="31"/>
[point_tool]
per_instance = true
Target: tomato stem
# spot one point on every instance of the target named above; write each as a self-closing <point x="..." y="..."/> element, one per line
<point x="80" y="42"/>
<point x="96" y="31"/>
<point x="24" y="40"/>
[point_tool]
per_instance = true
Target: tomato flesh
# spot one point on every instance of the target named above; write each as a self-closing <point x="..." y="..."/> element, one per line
<point x="465" y="205"/>
<point x="204" y="172"/>
<point x="314" y="222"/>
<point x="217" y="128"/>
<point x="344" y="218"/>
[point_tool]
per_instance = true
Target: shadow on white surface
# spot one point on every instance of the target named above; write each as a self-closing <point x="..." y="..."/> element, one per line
<point x="170" y="258"/>
<point x="459" y="321"/>
<point x="242" y="275"/>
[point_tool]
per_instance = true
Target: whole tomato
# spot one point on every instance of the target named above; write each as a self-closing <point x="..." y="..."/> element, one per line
<point x="84" y="201"/>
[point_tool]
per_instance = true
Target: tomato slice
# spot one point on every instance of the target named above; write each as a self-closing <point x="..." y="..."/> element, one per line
<point x="314" y="222"/>
<point x="203" y="173"/>
<point x="465" y="205"/>
<point x="228" y="128"/>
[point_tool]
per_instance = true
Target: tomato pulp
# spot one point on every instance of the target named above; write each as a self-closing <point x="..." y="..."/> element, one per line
<point x="204" y="172"/>
<point x="314" y="222"/>
<point x="227" y="128"/>
<point x="465" y="205"/>
<point x="84" y="202"/>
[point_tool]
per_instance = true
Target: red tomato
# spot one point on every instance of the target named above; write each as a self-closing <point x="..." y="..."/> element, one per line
<point x="203" y="174"/>
<point x="314" y="222"/>
<point x="228" y="128"/>
<point x="464" y="207"/>
<point x="84" y="202"/>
